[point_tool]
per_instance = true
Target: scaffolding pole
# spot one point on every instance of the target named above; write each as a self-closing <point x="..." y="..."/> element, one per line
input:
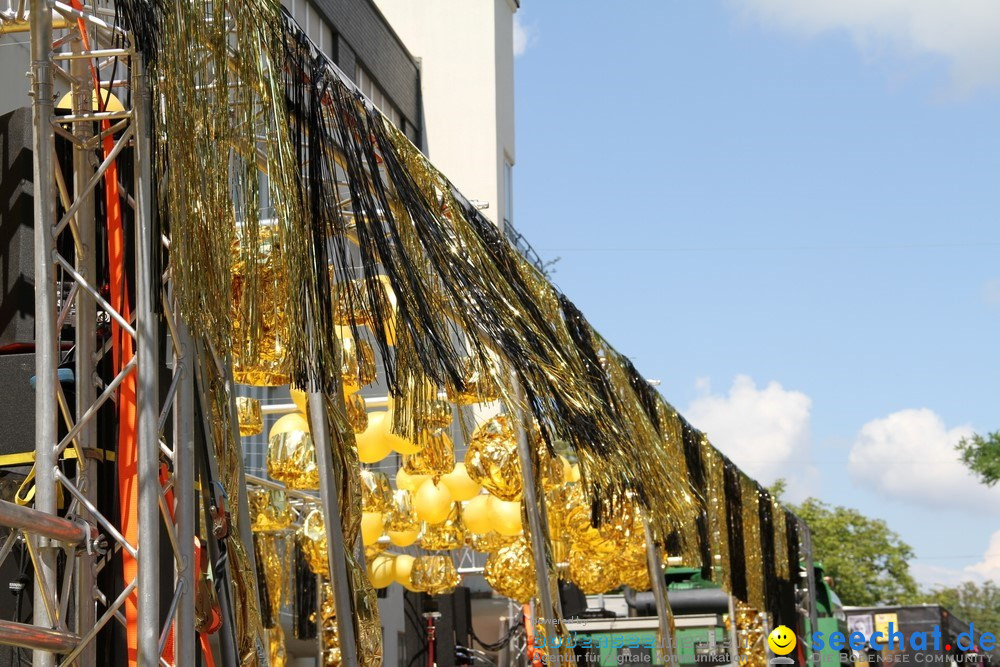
<point x="46" y="332"/>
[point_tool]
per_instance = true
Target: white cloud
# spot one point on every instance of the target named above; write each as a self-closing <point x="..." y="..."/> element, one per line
<point x="910" y="456"/>
<point x="963" y="32"/>
<point x="986" y="569"/>
<point x="764" y="431"/>
<point x="524" y="36"/>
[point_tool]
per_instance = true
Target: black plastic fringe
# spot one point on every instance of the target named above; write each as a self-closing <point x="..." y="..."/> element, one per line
<point x="266" y="613"/>
<point x="306" y="598"/>
<point x="772" y="594"/>
<point x="734" y="524"/>
<point x="699" y="481"/>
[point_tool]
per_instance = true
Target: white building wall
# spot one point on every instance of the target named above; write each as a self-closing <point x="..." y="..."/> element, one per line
<point x="466" y="54"/>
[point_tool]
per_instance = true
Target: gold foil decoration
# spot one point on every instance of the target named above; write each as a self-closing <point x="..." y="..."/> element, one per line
<point x="269" y="510"/>
<point x="327" y="626"/>
<point x="291" y="459"/>
<point x="490" y="542"/>
<point x="248" y="414"/>
<point x="376" y="492"/>
<point x="781" y="565"/>
<point x="492" y="459"/>
<point x="633" y="567"/>
<point x="312" y="540"/>
<point x="752" y="549"/>
<point x="260" y="320"/>
<point x="437" y="414"/>
<point x="447" y="535"/>
<point x="750" y="636"/>
<point x="715" y="505"/>
<point x="402" y="516"/>
<point x="593" y="574"/>
<point x="510" y="571"/>
<point x="435" y="575"/>
<point x="435" y="458"/>
<point x="276" y="646"/>
<point x="478" y="386"/>
<point x="357" y="364"/>
<point x="357" y="412"/>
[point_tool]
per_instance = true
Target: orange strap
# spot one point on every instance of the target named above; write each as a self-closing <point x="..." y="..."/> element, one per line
<point x="123" y="349"/>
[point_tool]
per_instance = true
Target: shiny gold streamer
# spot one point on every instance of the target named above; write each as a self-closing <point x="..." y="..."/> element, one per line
<point x="752" y="549"/>
<point x="782" y="567"/>
<point x="718" y="531"/>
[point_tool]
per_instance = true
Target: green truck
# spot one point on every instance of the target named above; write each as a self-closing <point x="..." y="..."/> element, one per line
<point x="622" y="629"/>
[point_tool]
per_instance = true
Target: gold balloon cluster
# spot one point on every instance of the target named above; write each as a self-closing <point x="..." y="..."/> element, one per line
<point x="510" y="571"/>
<point x="434" y="574"/>
<point x="291" y="454"/>
<point x="492" y="458"/>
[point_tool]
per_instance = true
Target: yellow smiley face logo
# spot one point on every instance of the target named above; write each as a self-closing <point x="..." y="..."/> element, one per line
<point x="781" y="640"/>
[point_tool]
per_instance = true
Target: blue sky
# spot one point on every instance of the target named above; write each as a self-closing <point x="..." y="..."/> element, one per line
<point x="787" y="213"/>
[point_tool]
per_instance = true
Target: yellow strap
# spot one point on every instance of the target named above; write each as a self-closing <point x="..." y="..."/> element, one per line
<point x="26" y="493"/>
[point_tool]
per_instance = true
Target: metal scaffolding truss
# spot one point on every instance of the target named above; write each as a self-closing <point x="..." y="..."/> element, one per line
<point x="84" y="48"/>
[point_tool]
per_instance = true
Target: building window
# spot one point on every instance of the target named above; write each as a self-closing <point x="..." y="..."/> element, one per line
<point x="366" y="84"/>
<point x="508" y="193"/>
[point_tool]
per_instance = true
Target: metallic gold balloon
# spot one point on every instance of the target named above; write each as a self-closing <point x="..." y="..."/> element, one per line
<point x="375" y="443"/>
<point x="269" y="510"/>
<point x="291" y="455"/>
<point x="446" y="535"/>
<point x="248" y="414"/>
<point x="260" y="357"/>
<point x="593" y="575"/>
<point x="435" y="458"/>
<point x="510" y="571"/>
<point x="382" y="570"/>
<point x="476" y="515"/>
<point x="506" y="516"/>
<point x="408" y="482"/>
<point x="403" y="572"/>
<point x="462" y="486"/>
<point x="376" y="492"/>
<point x="432" y="502"/>
<point x="492" y="459"/>
<point x="435" y="575"/>
<point x="372" y="527"/>
<point x="478" y="386"/>
<point x="357" y="415"/>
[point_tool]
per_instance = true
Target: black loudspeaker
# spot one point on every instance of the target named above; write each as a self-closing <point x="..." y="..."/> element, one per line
<point x="17" y="301"/>
<point x="17" y="419"/>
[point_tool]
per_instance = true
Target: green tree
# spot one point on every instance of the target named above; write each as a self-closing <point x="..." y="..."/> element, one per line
<point x="981" y="455"/>
<point x="869" y="562"/>
<point x="973" y="603"/>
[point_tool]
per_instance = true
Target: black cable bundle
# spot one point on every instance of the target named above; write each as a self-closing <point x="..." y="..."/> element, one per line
<point x="734" y="525"/>
<point x="305" y="599"/>
<point x="692" y="439"/>
<point x="772" y="592"/>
